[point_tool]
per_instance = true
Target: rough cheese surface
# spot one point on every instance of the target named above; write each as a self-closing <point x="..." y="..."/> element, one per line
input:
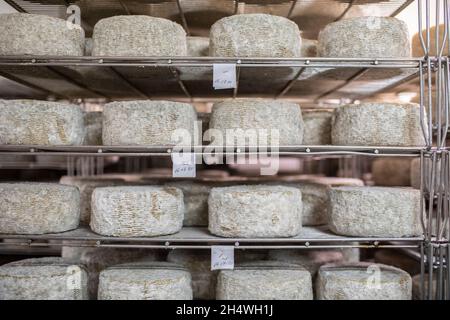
<point x="365" y="37"/>
<point x="145" y="281"/>
<point x="33" y="34"/>
<point x="137" y="211"/>
<point x="86" y="187"/>
<point x="265" y="280"/>
<point x="374" y="211"/>
<point x="38" y="208"/>
<point x="255" y="35"/>
<point x="378" y="124"/>
<point x="138" y="35"/>
<point x="197" y="46"/>
<point x="317" y="129"/>
<point x="43" y="279"/>
<point x="40" y="122"/>
<point x="392" y="172"/>
<point x="198" y="262"/>
<point x="252" y="121"/>
<point x="362" y="281"/>
<point x="255" y="211"/>
<point x="146" y="122"/>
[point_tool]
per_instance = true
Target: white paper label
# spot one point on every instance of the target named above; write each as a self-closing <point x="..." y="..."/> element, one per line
<point x="224" y="76"/>
<point x="222" y="258"/>
<point x="183" y="165"/>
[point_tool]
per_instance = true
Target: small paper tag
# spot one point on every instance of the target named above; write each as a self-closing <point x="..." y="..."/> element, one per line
<point x="224" y="76"/>
<point x="183" y="165"/>
<point x="222" y="257"/>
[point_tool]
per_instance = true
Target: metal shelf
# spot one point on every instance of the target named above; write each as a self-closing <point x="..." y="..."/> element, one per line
<point x="186" y="78"/>
<point x="200" y="238"/>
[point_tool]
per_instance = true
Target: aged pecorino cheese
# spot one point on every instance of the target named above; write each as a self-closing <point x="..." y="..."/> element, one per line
<point x="93" y="125"/>
<point x="37" y="208"/>
<point x="40" y="122"/>
<point x="198" y="262"/>
<point x="86" y="186"/>
<point x="138" y="36"/>
<point x="317" y="129"/>
<point x="265" y="280"/>
<point x="197" y="46"/>
<point x="255" y="35"/>
<point x="98" y="259"/>
<point x="255" y="211"/>
<point x="362" y="281"/>
<point x="374" y="211"/>
<point x="33" y="34"/>
<point x="309" y="48"/>
<point x="137" y="211"/>
<point x="392" y="172"/>
<point x="243" y="121"/>
<point x="146" y="122"/>
<point x="365" y="37"/>
<point x="377" y="124"/>
<point x="43" y="279"/>
<point x="145" y="281"/>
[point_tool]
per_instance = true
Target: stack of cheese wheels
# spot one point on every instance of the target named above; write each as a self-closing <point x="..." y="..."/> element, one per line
<point x="137" y="211"/>
<point x="362" y="281"/>
<point x="38" y="208"/>
<point x="148" y="123"/>
<point x="145" y="281"/>
<point x="43" y="279"/>
<point x="311" y="260"/>
<point x="97" y="259"/>
<point x="417" y="49"/>
<point x="374" y="211"/>
<point x="86" y="186"/>
<point x="255" y="211"/>
<point x="392" y="172"/>
<point x="40" y="123"/>
<point x="198" y="262"/>
<point x="317" y="127"/>
<point x="378" y="124"/>
<point x="32" y="34"/>
<point x="365" y="37"/>
<point x="256" y="122"/>
<point x="93" y="125"/>
<point x="138" y="36"/>
<point x="309" y="48"/>
<point x="265" y="280"/>
<point x="197" y="46"/>
<point x="255" y="35"/>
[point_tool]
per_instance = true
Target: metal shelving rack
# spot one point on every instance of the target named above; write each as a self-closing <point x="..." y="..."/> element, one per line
<point x="302" y="79"/>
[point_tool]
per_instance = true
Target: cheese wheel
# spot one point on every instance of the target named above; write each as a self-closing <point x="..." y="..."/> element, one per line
<point x="137" y="211"/>
<point x="308" y="48"/>
<point x="197" y="46"/>
<point x="145" y="281"/>
<point x="93" y="125"/>
<point x="362" y="281"/>
<point x="147" y="122"/>
<point x="138" y="35"/>
<point x="86" y="186"/>
<point x="198" y="262"/>
<point x="365" y="37"/>
<point x="40" y="122"/>
<point x="262" y="122"/>
<point x="392" y="172"/>
<point x="255" y="35"/>
<point x="265" y="280"/>
<point x="377" y="124"/>
<point x="374" y="211"/>
<point x="257" y="211"/>
<point x="97" y="259"/>
<point x="33" y="34"/>
<point x="317" y="129"/>
<point x="43" y="279"/>
<point x="38" y="208"/>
